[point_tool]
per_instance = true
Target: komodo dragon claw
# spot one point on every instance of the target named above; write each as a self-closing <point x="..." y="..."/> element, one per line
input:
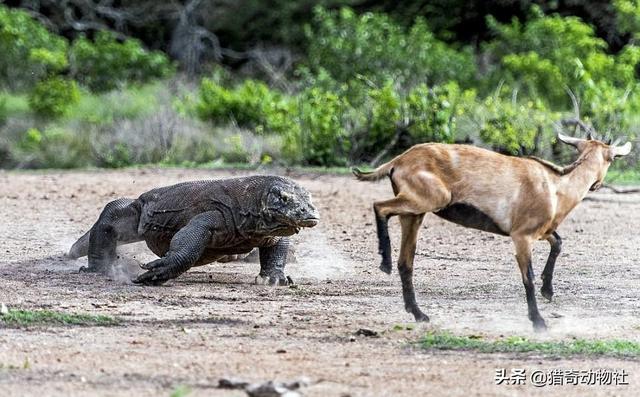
<point x="276" y="280"/>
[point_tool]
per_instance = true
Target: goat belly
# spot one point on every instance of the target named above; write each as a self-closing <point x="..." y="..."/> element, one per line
<point x="469" y="216"/>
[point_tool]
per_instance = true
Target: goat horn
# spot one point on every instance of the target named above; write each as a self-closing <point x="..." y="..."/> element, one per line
<point x="570" y="140"/>
<point x="617" y="151"/>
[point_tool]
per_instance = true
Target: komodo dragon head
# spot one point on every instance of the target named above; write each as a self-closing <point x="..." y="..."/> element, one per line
<point x="288" y="204"/>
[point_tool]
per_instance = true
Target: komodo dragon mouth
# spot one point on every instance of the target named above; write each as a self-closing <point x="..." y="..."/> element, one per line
<point x="309" y="222"/>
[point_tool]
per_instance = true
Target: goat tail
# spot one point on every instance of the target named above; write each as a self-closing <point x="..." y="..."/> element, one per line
<point x="375" y="175"/>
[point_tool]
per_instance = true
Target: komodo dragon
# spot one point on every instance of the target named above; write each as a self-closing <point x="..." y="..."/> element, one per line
<point x="196" y="223"/>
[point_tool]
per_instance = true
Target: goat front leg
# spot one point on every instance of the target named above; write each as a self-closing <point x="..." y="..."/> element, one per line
<point x="383" y="211"/>
<point x="384" y="243"/>
<point x="523" y="256"/>
<point x="410" y="226"/>
<point x="547" y="274"/>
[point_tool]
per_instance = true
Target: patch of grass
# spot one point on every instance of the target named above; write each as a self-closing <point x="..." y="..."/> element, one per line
<point x="26" y="364"/>
<point x="181" y="391"/>
<point x="21" y="318"/>
<point x="623" y="177"/>
<point x="517" y="344"/>
<point x="15" y="104"/>
<point x="404" y="327"/>
<point x="128" y="103"/>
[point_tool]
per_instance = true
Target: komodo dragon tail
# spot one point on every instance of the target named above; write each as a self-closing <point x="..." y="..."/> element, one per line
<point x="375" y="175"/>
<point x="80" y="248"/>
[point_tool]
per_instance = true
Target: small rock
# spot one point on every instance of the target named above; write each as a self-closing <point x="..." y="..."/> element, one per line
<point x="281" y="351"/>
<point x="367" y="332"/>
<point x="266" y="389"/>
<point x="231" y="383"/>
<point x="3" y="309"/>
<point x="556" y="315"/>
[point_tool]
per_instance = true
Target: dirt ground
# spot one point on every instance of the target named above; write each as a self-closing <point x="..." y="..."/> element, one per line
<point x="213" y="322"/>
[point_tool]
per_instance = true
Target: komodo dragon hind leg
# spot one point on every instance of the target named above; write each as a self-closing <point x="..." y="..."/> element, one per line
<point x="272" y="262"/>
<point x="117" y="224"/>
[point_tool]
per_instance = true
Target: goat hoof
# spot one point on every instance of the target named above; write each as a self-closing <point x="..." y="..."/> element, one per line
<point x="386" y="267"/>
<point x="539" y="325"/>
<point x="421" y="317"/>
<point x="547" y="293"/>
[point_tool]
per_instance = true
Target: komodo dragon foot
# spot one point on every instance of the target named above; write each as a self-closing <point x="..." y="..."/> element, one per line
<point x="274" y="279"/>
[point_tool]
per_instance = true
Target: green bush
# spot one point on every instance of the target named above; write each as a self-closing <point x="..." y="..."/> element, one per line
<point x="433" y="111"/>
<point x="127" y="103"/>
<point x="105" y="63"/>
<point x="54" y="148"/>
<point x="244" y="104"/>
<point x="374" y="46"/>
<point x="321" y="137"/>
<point x="3" y="110"/>
<point x="514" y="128"/>
<point x="29" y="51"/>
<point x="551" y="54"/>
<point x="53" y="97"/>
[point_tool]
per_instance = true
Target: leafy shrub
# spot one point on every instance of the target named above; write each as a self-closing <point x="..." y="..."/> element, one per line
<point x="106" y="62"/>
<point x="373" y="45"/>
<point x="53" y="97"/>
<point x="551" y="54"/>
<point x="514" y="128"/>
<point x="108" y="107"/>
<point x="433" y="111"/>
<point x="29" y="51"/>
<point x="321" y="137"/>
<point x="244" y="105"/>
<point x="3" y="110"/>
<point x="54" y="148"/>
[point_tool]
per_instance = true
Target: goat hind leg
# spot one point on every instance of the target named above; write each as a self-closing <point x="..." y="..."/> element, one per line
<point x="523" y="256"/>
<point x="410" y="225"/>
<point x="547" y="274"/>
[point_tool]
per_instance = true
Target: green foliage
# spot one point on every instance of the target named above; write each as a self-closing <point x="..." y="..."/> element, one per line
<point x="180" y="391"/>
<point x="551" y="54"/>
<point x="23" y="318"/>
<point x="321" y="136"/>
<point x="628" y="15"/>
<point x="374" y="46"/>
<point x="54" y="148"/>
<point x="3" y="110"/>
<point x="106" y="107"/>
<point x="246" y="105"/>
<point x="516" y="344"/>
<point x="29" y="51"/>
<point x="433" y="111"/>
<point x="509" y="126"/>
<point x="105" y="63"/>
<point x="53" y="97"/>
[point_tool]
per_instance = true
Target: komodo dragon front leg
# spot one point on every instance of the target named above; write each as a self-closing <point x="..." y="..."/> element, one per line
<point x="272" y="262"/>
<point x="186" y="247"/>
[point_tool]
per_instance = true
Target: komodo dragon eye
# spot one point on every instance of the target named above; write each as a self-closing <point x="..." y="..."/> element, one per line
<point x="284" y="196"/>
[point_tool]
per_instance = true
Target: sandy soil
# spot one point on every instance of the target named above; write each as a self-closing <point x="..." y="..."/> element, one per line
<point x="213" y="322"/>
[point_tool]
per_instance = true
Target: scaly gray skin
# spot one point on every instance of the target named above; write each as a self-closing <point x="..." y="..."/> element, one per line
<point x="195" y="223"/>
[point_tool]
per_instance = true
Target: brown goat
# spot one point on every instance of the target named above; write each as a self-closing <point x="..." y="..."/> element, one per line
<point x="524" y="198"/>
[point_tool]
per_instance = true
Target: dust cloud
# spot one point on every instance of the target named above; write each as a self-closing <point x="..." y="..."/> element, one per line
<point x="317" y="259"/>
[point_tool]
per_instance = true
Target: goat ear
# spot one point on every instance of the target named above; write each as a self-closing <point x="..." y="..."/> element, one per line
<point x="569" y="140"/>
<point x="619" y="151"/>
